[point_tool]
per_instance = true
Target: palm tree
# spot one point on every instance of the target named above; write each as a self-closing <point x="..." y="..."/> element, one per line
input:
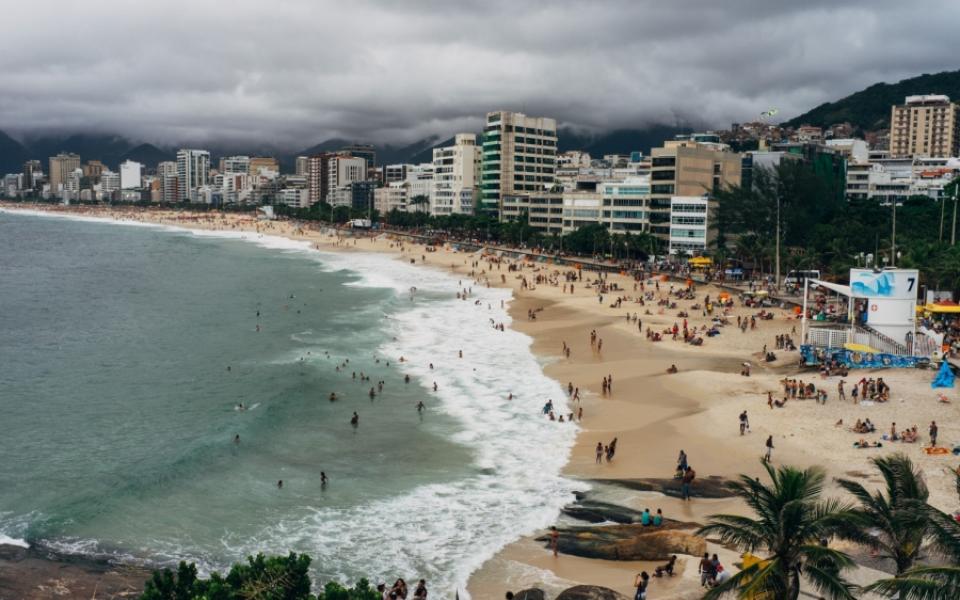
<point x="792" y="522"/>
<point x="894" y="520"/>
<point x="929" y="582"/>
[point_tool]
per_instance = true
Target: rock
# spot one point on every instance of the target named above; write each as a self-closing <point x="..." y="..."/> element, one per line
<point x="590" y="592"/>
<point x="37" y="574"/>
<point x="594" y="511"/>
<point x="628" y="542"/>
<point x="531" y="594"/>
<point x="704" y="487"/>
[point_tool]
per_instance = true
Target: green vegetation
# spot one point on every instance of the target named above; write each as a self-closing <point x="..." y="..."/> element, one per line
<point x="793" y="526"/>
<point x="820" y="230"/>
<point x="869" y="109"/>
<point x="273" y="578"/>
<point x="791" y="522"/>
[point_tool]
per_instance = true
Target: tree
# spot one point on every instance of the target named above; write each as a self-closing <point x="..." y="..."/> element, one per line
<point x="894" y="520"/>
<point x="791" y="523"/>
<point x="261" y="578"/>
<point x="929" y="582"/>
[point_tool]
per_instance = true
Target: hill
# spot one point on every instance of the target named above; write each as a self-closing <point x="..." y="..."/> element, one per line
<point x="12" y="154"/>
<point x="869" y="109"/>
<point x="147" y="154"/>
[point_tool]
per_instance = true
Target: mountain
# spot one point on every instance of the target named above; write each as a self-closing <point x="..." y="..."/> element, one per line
<point x="388" y="154"/>
<point x="106" y="148"/>
<point x="12" y="154"/>
<point x="869" y="109"/>
<point x="620" y="141"/>
<point x="147" y="154"/>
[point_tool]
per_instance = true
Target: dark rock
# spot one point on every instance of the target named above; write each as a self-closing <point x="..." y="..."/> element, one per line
<point x="34" y="574"/>
<point x="594" y="511"/>
<point x="705" y="487"/>
<point x="531" y="594"/>
<point x="628" y="542"/>
<point x="590" y="592"/>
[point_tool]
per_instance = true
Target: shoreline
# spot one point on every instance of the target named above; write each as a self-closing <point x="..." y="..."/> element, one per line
<point x="651" y="413"/>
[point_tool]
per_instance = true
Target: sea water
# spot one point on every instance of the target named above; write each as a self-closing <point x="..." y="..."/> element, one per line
<point x="125" y="352"/>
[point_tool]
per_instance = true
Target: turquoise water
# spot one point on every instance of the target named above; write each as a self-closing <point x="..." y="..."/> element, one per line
<point x="124" y="352"/>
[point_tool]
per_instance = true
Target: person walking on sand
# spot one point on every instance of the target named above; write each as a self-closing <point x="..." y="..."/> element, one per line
<point x="744" y="424"/>
<point x="933" y="434"/>
<point x="554" y="539"/>
<point x="641" y="582"/>
<point x="840" y="392"/>
<point x="766" y="457"/>
<point x="599" y="453"/>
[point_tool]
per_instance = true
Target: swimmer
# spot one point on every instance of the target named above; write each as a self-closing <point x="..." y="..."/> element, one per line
<point x="406" y="379"/>
<point x="420" y="406"/>
<point x="355" y="419"/>
<point x="333" y="396"/>
<point x="434" y="386"/>
<point x="323" y="478"/>
<point x="236" y="438"/>
<point x="280" y="483"/>
<point x="372" y="393"/>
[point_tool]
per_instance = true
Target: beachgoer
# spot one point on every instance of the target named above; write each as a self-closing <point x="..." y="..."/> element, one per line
<point x="280" y="484"/>
<point x="355" y="419"/>
<point x="323" y="478"/>
<point x="769" y="445"/>
<point x="933" y="434"/>
<point x="236" y="439"/>
<point x="554" y="539"/>
<point x="688" y="476"/>
<point x="705" y="569"/>
<point x="658" y="518"/>
<point x="641" y="582"/>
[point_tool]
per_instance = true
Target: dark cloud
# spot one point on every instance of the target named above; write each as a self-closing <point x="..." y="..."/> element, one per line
<point x="292" y="72"/>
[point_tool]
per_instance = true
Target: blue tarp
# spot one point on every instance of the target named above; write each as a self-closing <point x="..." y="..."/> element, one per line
<point x="813" y="356"/>
<point x="944" y="378"/>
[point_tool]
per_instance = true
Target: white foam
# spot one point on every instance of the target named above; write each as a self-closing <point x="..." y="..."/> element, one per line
<point x="6" y="540"/>
<point x="442" y="532"/>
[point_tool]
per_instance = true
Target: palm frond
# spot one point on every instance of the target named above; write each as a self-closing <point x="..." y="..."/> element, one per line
<point x="922" y="583"/>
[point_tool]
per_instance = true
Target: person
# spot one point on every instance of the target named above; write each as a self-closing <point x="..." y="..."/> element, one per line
<point x="236" y="439"/>
<point x="688" y="476"/>
<point x="420" y="406"/>
<point x="641" y="583"/>
<point x="672" y="369"/>
<point x="721" y="575"/>
<point x="705" y="569"/>
<point x="333" y="397"/>
<point x="766" y="457"/>
<point x="666" y="569"/>
<point x="933" y="434"/>
<point x="509" y="596"/>
<point x="323" y="478"/>
<point x="421" y="592"/>
<point x="645" y="517"/>
<point x="554" y="539"/>
<point x="658" y="518"/>
<point x="280" y="484"/>
<point x="682" y="461"/>
<point x="355" y="419"/>
<point x="743" y="422"/>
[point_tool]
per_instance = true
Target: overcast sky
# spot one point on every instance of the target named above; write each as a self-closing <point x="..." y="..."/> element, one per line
<point x="292" y="73"/>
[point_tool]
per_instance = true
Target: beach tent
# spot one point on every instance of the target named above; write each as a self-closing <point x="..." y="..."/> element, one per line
<point x="944" y="378"/>
<point x="945" y="307"/>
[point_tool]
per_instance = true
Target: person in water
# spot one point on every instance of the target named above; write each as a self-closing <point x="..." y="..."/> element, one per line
<point x="280" y="484"/>
<point x="323" y="478"/>
<point x="236" y="439"/>
<point x="420" y="406"/>
<point x="355" y="419"/>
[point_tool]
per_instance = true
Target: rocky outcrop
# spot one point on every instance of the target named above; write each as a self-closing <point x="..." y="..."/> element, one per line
<point x="33" y="574"/>
<point x="706" y="487"/>
<point x="531" y="594"/>
<point x="590" y="592"/>
<point x="628" y="542"/>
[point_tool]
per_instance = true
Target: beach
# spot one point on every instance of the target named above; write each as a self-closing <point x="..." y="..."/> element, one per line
<point x="653" y="414"/>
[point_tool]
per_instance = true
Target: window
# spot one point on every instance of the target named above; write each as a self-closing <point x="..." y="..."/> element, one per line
<point x="664" y="161"/>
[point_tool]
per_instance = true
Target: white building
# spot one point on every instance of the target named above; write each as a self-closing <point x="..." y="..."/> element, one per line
<point x="391" y="197"/>
<point x="110" y="182"/>
<point x="620" y="206"/>
<point x="456" y="174"/>
<point x="193" y="172"/>
<point x="294" y="197"/>
<point x="130" y="175"/>
<point x="235" y="164"/>
<point x="689" y="220"/>
<point x="344" y="170"/>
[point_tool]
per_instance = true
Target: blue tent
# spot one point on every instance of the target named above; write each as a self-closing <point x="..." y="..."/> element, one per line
<point x="944" y="378"/>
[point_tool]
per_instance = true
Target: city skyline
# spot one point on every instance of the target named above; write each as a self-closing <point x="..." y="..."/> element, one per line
<point x="298" y="73"/>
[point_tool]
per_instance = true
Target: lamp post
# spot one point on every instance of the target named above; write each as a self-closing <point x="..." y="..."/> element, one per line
<point x="953" y="233"/>
<point x="776" y="282"/>
<point x="893" y="236"/>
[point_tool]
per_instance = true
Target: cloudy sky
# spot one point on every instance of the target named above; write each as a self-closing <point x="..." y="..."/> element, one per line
<point x="295" y="72"/>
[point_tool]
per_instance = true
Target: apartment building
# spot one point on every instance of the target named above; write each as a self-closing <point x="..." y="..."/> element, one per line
<point x="193" y="173"/>
<point x="620" y="206"/>
<point x="519" y="157"/>
<point x="925" y="126"/>
<point x="687" y="168"/>
<point x="61" y="166"/>
<point x="689" y="224"/>
<point x="456" y="174"/>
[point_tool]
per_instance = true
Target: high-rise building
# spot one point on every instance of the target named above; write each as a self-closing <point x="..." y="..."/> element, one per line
<point x="193" y="172"/>
<point x="110" y="182"/>
<point x="235" y="164"/>
<point x="62" y="165"/>
<point x="456" y="174"/>
<point x="519" y="157"/>
<point x="92" y="169"/>
<point x="318" y="184"/>
<point x="342" y="170"/>
<point x="130" y="175"/>
<point x="925" y="126"/>
<point x="32" y="173"/>
<point x="687" y="168"/>
<point x="364" y="151"/>
<point x="267" y="163"/>
<point x="302" y="166"/>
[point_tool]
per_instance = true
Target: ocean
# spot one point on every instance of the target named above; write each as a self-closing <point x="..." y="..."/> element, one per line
<point x="126" y="349"/>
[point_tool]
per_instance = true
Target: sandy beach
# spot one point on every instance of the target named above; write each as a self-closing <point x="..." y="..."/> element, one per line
<point x="651" y="413"/>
